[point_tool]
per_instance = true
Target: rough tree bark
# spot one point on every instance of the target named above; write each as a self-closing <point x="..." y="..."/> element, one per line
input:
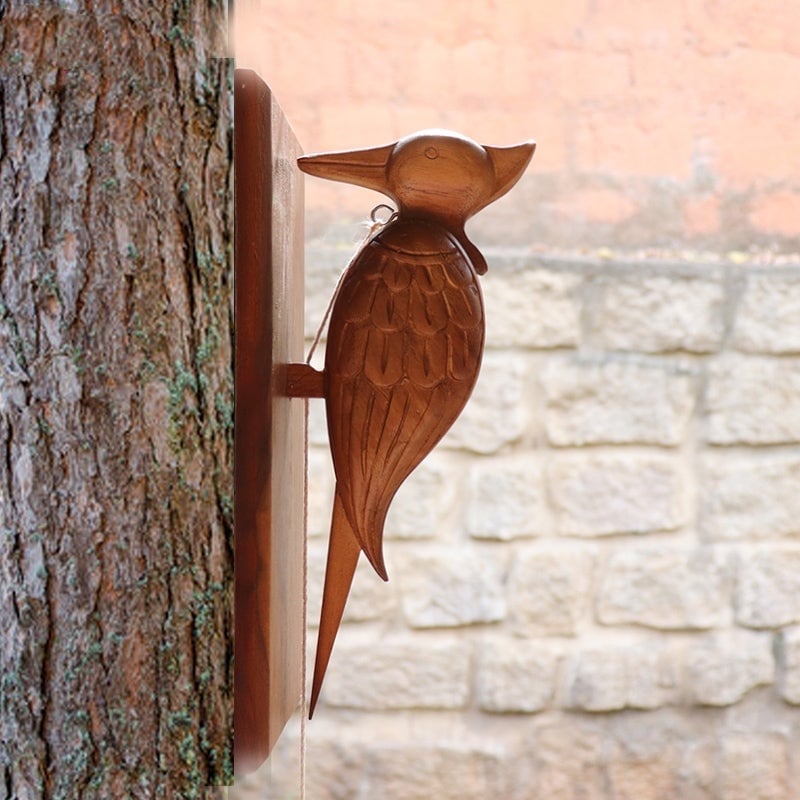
<point x="115" y="400"/>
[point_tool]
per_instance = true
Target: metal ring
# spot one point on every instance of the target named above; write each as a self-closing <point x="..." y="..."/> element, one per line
<point x="374" y="214"/>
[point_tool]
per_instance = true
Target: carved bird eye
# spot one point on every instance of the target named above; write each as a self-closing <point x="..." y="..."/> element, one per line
<point x="431" y="152"/>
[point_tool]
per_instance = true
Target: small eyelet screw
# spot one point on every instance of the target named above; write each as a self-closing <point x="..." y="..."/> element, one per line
<point x="378" y="219"/>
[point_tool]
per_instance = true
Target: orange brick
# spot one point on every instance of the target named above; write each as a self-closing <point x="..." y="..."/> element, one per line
<point x="547" y="130"/>
<point x="276" y="46"/>
<point x="701" y="215"/>
<point x="305" y="124"/>
<point x="519" y="78"/>
<point x="429" y="73"/>
<point x="704" y="85"/>
<point x="777" y="213"/>
<point x="339" y="201"/>
<point x="759" y="81"/>
<point x="352" y="125"/>
<point x="476" y="71"/>
<point x="650" y="143"/>
<point x="604" y="205"/>
<point x="372" y="73"/>
<point x="407" y="118"/>
<point x="635" y="22"/>
<point x="560" y="23"/>
<point x="669" y="88"/>
<point x="400" y="26"/>
<point x="581" y="77"/>
<point x="752" y="149"/>
<point x="766" y="24"/>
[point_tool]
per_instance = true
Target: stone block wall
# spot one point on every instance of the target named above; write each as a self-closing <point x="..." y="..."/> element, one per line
<point x="595" y="579"/>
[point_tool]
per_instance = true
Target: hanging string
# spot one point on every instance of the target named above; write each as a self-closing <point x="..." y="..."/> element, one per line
<point x="375" y="225"/>
<point x="303" y="700"/>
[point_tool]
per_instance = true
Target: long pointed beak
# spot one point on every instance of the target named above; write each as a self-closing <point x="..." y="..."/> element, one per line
<point x="360" y="167"/>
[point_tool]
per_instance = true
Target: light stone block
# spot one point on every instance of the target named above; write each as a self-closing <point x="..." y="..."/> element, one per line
<point x="653" y="676"/>
<point x="334" y="767"/>
<point x="516" y="675"/>
<point x="768" y="591"/>
<point x="529" y="307"/>
<point x="397" y="673"/>
<point x="754" y="767"/>
<point x="496" y="414"/>
<point x="370" y="598"/>
<point x="616" y="402"/>
<point x="320" y="491"/>
<point x="656" y="313"/>
<point x="752" y="400"/>
<point x="641" y="675"/>
<point x="641" y="737"/>
<point x="597" y="680"/>
<point x="445" y="770"/>
<point x="450" y="587"/>
<point x="323" y="268"/>
<point x="665" y="587"/>
<point x="598" y="494"/>
<point x="423" y="502"/>
<point x="506" y="499"/>
<point x="750" y="497"/>
<point x="548" y="591"/>
<point x="653" y="778"/>
<point x="722" y="668"/>
<point x="768" y="314"/>
<point x="789" y="658"/>
<point x="317" y="423"/>
<point x="564" y="760"/>
<point x="698" y="768"/>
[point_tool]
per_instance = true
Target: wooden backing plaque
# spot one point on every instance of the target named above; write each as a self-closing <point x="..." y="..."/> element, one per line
<point x="268" y="437"/>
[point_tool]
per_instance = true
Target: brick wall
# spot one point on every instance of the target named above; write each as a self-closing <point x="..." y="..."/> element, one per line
<point x="658" y="123"/>
<point x="595" y="579"/>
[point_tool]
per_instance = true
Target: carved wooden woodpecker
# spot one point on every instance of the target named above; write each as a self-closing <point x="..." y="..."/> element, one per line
<point x="406" y="335"/>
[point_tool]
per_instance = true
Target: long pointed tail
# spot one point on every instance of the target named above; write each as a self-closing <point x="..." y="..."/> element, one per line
<point x="343" y="552"/>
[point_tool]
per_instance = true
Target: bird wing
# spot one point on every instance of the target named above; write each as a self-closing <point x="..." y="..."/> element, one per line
<point x="404" y="350"/>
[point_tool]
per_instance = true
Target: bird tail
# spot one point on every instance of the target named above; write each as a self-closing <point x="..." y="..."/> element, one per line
<point x="343" y="552"/>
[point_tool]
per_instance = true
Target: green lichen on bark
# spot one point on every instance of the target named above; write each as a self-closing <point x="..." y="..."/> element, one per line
<point x="115" y="458"/>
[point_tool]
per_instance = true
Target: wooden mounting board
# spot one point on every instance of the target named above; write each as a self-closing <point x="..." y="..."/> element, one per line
<point x="268" y="438"/>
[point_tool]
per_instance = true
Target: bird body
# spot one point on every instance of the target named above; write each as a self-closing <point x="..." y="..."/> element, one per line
<point x="406" y="335"/>
<point x="403" y="354"/>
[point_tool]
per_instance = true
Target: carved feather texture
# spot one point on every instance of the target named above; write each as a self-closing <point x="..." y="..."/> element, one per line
<point x="403" y="354"/>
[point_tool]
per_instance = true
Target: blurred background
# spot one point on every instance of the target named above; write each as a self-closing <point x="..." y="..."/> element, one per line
<point x="595" y="580"/>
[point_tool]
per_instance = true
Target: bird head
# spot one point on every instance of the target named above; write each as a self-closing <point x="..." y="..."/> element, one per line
<point x="434" y="174"/>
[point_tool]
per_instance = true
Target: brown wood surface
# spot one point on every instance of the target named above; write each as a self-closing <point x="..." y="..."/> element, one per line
<point x="268" y="435"/>
<point x="302" y="380"/>
<point x="406" y="335"/>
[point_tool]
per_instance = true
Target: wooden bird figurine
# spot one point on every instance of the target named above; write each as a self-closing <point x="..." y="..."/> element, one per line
<point x="406" y="335"/>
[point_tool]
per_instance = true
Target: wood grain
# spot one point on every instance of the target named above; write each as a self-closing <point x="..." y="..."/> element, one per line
<point x="268" y="507"/>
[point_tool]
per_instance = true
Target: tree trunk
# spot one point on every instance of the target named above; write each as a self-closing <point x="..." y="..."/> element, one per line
<point x="115" y="400"/>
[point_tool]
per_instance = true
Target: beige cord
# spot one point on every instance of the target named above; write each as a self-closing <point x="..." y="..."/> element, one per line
<point x="303" y="700"/>
<point x="374" y="226"/>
